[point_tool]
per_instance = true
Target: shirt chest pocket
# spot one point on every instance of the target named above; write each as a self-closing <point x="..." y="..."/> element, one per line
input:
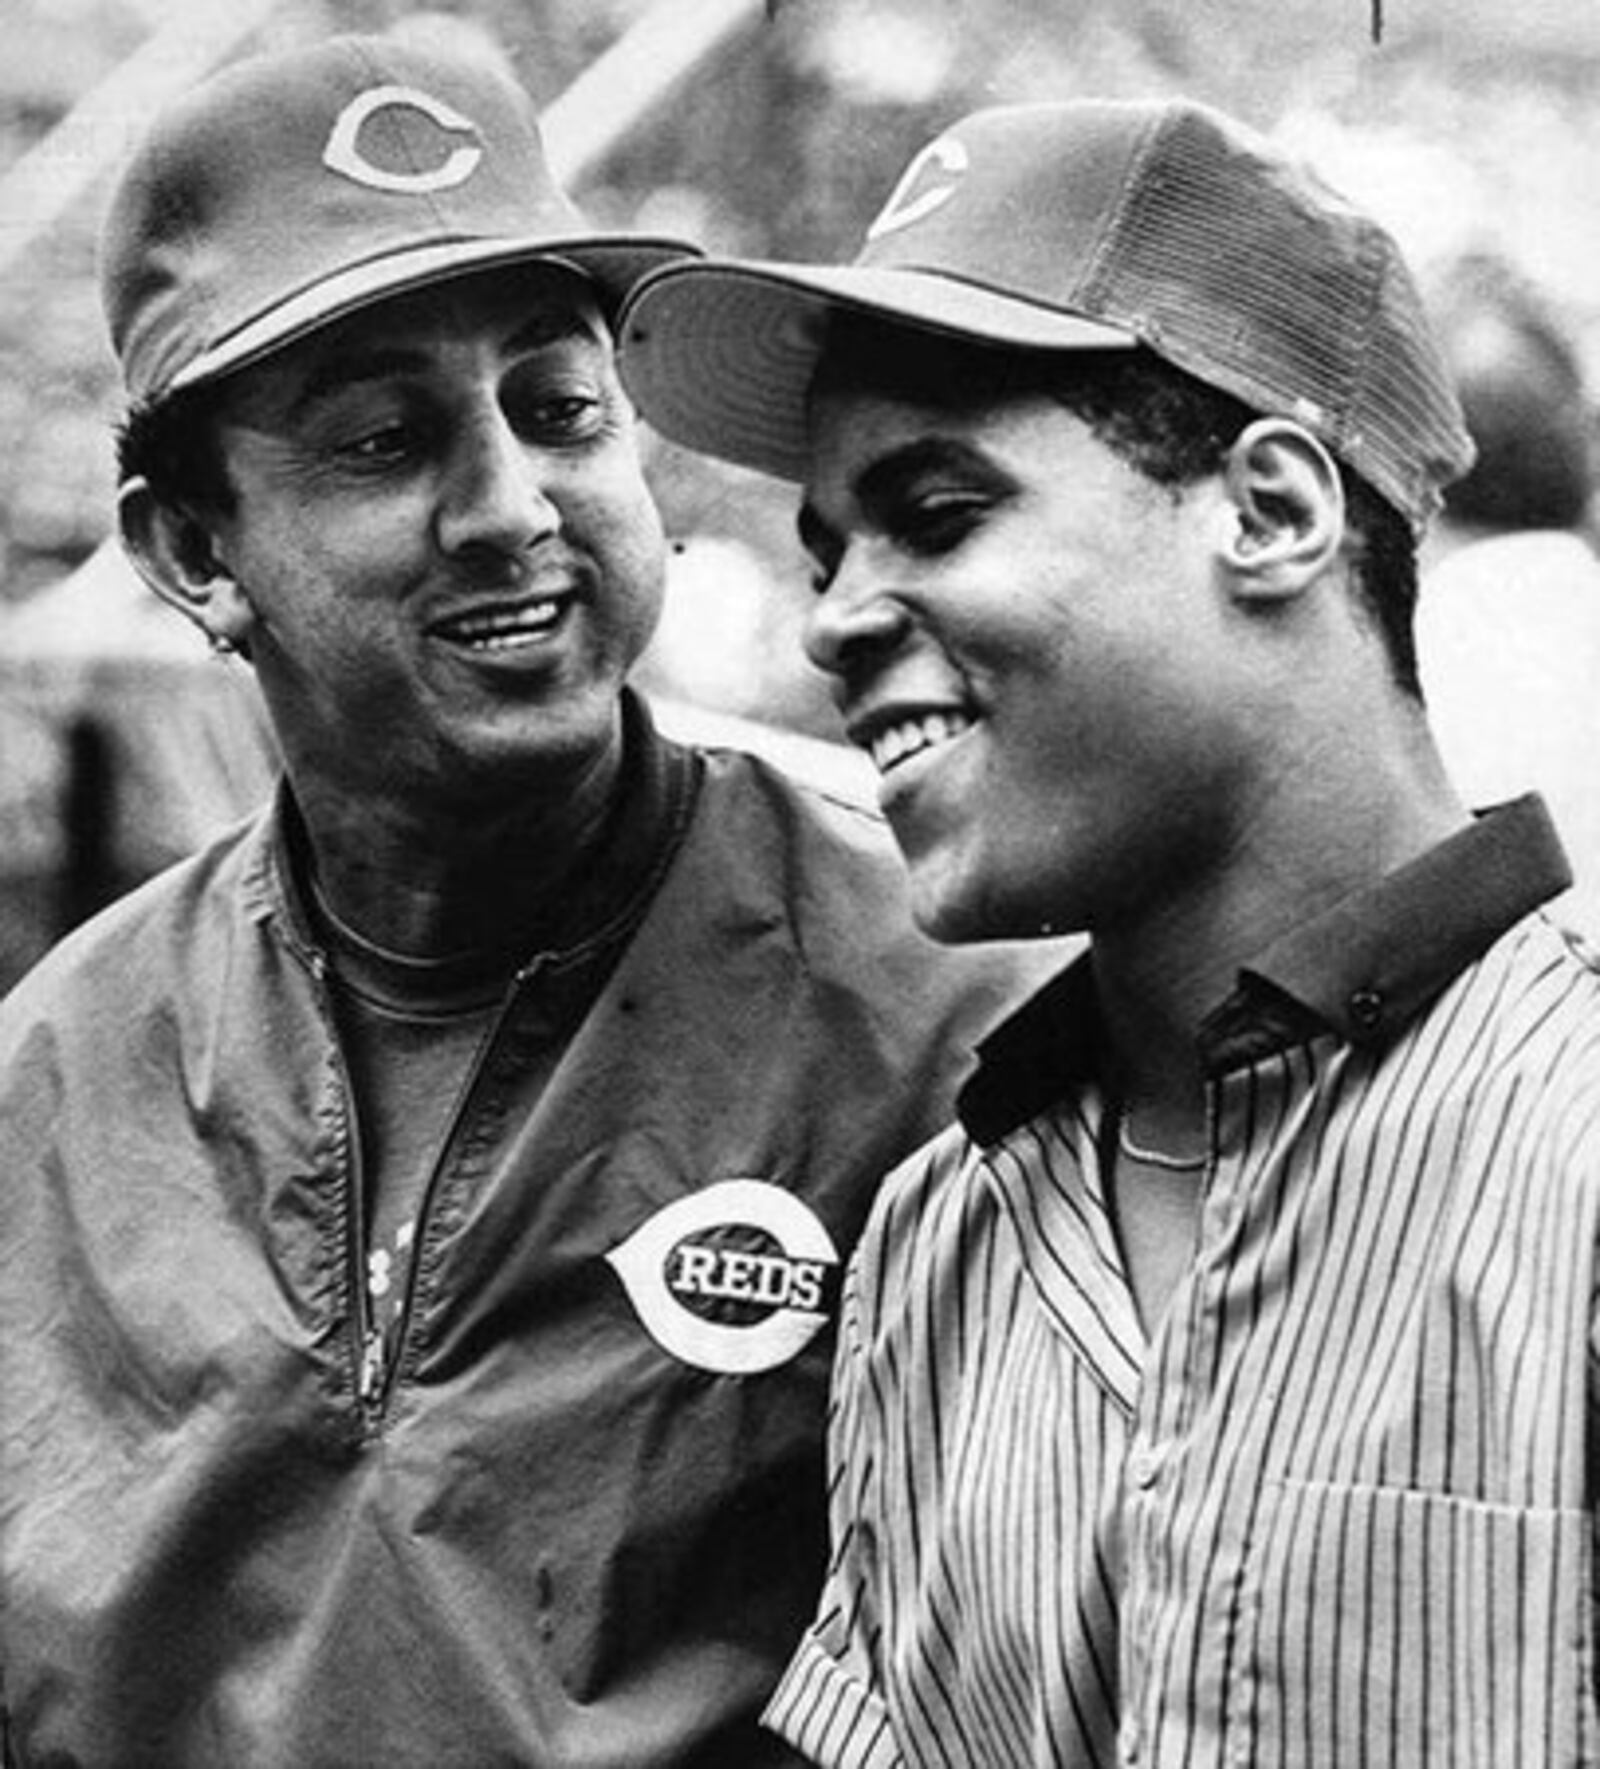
<point x="1387" y="1627"/>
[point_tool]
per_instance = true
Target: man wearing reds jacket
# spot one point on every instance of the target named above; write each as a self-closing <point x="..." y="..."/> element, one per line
<point x="422" y="1211"/>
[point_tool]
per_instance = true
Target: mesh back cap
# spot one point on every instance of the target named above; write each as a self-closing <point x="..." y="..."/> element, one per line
<point x="1085" y="225"/>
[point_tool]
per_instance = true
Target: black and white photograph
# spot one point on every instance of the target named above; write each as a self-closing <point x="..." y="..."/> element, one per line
<point x="799" y="884"/>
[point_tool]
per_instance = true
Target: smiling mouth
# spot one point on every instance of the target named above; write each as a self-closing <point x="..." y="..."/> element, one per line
<point x="905" y="738"/>
<point x="502" y="629"/>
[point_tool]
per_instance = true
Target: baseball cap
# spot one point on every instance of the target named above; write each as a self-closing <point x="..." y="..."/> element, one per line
<point x="296" y="187"/>
<point x="1095" y="224"/>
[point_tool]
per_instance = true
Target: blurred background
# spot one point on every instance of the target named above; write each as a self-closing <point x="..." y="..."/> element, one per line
<point x="763" y="127"/>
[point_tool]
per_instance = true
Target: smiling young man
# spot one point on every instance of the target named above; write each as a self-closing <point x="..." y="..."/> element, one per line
<point x="422" y="1212"/>
<point x="1218" y="1389"/>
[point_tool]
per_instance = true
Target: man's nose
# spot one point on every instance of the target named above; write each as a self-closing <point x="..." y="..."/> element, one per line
<point x="496" y="494"/>
<point x="855" y="618"/>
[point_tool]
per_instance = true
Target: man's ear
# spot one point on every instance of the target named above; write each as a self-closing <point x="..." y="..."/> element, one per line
<point x="1285" y="520"/>
<point x="175" y="553"/>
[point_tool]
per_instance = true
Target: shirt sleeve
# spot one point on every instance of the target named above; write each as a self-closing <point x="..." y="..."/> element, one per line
<point x="830" y="1704"/>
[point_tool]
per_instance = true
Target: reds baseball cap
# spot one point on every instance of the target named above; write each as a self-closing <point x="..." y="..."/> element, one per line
<point x="1091" y="225"/>
<point x="292" y="189"/>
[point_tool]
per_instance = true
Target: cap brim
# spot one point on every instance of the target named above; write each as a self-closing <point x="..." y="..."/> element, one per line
<point x="719" y="356"/>
<point x="615" y="264"/>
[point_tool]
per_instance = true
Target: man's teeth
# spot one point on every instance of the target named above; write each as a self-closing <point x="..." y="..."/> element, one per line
<point x="503" y="628"/>
<point x="914" y="735"/>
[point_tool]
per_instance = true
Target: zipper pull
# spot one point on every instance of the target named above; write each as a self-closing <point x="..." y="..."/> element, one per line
<point x="370" y="1380"/>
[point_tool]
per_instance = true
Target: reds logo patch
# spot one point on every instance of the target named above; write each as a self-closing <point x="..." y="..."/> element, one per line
<point x="426" y="144"/>
<point x="736" y="1278"/>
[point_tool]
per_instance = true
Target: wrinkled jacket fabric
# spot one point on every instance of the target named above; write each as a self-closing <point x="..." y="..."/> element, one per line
<point x="547" y="1539"/>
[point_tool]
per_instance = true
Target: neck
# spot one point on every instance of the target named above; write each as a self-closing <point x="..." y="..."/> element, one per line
<point x="1160" y="972"/>
<point x="431" y="883"/>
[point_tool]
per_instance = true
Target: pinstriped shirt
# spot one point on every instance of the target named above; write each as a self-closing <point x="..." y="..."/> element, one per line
<point x="1339" y="1508"/>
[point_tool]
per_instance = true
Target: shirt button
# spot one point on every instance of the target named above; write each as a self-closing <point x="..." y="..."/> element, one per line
<point x="1366" y="1009"/>
<point x="1144" y="1467"/>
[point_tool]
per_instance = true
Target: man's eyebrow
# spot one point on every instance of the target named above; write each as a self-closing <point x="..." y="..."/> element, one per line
<point x="886" y="478"/>
<point x="558" y="326"/>
<point x="351" y="368"/>
<point x="375" y="362"/>
<point x="876" y="488"/>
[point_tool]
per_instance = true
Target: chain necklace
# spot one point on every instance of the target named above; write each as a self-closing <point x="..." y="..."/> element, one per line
<point x="1155" y="1157"/>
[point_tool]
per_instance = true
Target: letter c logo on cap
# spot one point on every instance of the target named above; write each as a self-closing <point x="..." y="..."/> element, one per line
<point x="343" y="153"/>
<point x="945" y="157"/>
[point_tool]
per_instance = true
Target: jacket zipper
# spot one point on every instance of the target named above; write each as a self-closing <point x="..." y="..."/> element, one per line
<point x="377" y="1371"/>
<point x="368" y="1349"/>
<point x="369" y="1380"/>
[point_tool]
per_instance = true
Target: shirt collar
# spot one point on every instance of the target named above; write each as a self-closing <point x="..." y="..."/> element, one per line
<point x="1361" y="970"/>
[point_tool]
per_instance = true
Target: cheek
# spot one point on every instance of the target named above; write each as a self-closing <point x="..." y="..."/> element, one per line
<point x="622" y="500"/>
<point x="322" y="561"/>
<point x="617" y="523"/>
<point x="324" y="609"/>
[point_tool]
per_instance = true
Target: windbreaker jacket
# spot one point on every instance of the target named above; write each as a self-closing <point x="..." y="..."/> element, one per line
<point x="579" y="1518"/>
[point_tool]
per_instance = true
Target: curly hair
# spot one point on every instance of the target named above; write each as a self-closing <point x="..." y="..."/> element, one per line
<point x="174" y="446"/>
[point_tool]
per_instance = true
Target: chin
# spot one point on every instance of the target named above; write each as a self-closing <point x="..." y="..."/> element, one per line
<point x="954" y="920"/>
<point x="974" y="911"/>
